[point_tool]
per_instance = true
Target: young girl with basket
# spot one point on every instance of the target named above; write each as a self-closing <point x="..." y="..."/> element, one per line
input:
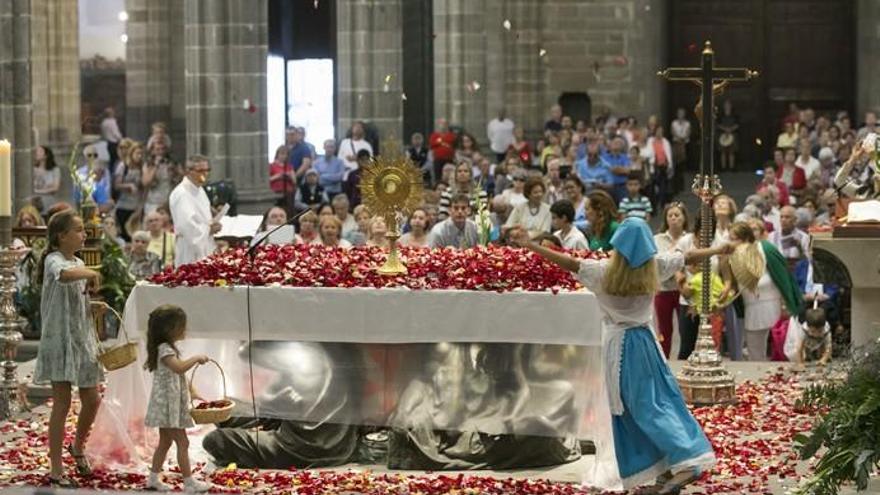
<point x="655" y="436"/>
<point x="168" y="408"/>
<point x="67" y="355"/>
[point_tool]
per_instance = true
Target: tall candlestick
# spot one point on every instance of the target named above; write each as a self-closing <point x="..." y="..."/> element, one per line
<point x="5" y="179"/>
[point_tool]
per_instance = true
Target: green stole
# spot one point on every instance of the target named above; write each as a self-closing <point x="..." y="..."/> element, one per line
<point x="783" y="279"/>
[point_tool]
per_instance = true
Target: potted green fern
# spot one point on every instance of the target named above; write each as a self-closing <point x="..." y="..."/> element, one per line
<point x="848" y="435"/>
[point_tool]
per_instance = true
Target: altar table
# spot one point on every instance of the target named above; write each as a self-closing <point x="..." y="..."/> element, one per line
<point x="225" y="322"/>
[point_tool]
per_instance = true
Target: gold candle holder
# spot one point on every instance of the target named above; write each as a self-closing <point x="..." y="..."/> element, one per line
<point x="11" y="323"/>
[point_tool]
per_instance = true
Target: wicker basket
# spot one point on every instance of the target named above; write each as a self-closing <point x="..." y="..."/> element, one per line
<point x="210" y="416"/>
<point x="119" y="356"/>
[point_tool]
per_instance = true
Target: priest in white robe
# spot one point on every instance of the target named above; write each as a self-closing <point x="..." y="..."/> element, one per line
<point x="191" y="211"/>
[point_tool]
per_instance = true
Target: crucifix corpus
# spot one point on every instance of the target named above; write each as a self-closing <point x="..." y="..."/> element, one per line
<point x="704" y="380"/>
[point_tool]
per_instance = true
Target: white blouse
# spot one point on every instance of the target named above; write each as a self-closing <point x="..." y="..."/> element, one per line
<point x="665" y="244"/>
<point x="763" y="305"/>
<point x="622" y="313"/>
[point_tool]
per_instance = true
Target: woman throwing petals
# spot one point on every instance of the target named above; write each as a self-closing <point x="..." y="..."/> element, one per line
<point x="655" y="436"/>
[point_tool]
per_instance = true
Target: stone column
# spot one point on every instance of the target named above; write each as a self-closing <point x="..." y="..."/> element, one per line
<point x="62" y="57"/>
<point x="55" y="73"/>
<point x="226" y="48"/>
<point x="523" y="66"/>
<point x="460" y="82"/>
<point x="16" y="106"/>
<point x="154" y="72"/>
<point x="369" y="49"/>
<point x="55" y="76"/>
<point x="867" y="48"/>
<point x="481" y="65"/>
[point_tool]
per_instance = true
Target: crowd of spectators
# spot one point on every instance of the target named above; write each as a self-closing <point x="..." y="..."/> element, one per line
<point x="569" y="187"/>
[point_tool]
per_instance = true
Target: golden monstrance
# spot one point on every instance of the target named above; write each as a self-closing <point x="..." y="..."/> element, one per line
<point x="391" y="187"/>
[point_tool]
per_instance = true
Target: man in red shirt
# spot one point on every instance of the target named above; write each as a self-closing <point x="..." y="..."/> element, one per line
<point x="442" y="144"/>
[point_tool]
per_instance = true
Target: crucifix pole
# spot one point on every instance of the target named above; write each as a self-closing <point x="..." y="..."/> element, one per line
<point x="704" y="380"/>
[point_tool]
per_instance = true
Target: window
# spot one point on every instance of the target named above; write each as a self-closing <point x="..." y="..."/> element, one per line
<point x="275" y="103"/>
<point x="310" y="99"/>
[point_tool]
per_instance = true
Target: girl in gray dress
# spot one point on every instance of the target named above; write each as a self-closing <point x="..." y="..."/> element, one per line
<point x="67" y="355"/>
<point x="168" y="408"/>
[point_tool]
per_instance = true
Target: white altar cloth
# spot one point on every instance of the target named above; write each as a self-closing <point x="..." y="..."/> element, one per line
<point x="365" y="316"/>
<point x="375" y="316"/>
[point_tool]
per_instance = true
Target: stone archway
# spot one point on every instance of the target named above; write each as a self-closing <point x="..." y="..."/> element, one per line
<point x="830" y="271"/>
<point x="576" y="105"/>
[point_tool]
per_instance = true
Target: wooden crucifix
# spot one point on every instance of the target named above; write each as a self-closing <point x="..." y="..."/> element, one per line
<point x="712" y="80"/>
<point x="703" y="380"/>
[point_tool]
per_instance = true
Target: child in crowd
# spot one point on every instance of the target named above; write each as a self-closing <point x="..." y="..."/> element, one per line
<point x="67" y="355"/>
<point x="816" y="345"/>
<point x="635" y="204"/>
<point x="562" y="220"/>
<point x="168" y="408"/>
<point x="691" y="289"/>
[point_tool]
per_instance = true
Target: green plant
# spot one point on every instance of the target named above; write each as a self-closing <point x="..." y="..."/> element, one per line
<point x="27" y="301"/>
<point x="484" y="222"/>
<point x="849" y="432"/>
<point x="117" y="280"/>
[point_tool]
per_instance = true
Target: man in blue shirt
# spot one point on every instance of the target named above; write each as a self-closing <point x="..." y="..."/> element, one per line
<point x="618" y="162"/>
<point x="593" y="170"/>
<point x="330" y="169"/>
<point x="299" y="156"/>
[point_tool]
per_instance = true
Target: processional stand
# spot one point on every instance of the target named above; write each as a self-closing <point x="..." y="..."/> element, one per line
<point x="12" y="400"/>
<point x="704" y="380"/>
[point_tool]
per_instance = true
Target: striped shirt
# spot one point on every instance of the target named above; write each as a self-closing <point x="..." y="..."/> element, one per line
<point x="639" y="207"/>
<point x="446" y="200"/>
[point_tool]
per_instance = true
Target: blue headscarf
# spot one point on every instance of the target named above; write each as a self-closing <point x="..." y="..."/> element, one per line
<point x="633" y="240"/>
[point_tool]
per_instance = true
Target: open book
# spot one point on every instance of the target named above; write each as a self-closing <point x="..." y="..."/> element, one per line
<point x="864" y="211"/>
<point x="240" y="226"/>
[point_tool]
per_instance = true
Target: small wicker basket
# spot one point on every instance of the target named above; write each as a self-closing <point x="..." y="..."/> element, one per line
<point x="119" y="356"/>
<point x="211" y="415"/>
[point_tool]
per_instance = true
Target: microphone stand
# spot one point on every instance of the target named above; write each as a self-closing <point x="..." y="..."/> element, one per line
<point x="251" y="250"/>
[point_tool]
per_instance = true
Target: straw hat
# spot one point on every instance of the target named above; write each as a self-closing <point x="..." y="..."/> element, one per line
<point x="747" y="265"/>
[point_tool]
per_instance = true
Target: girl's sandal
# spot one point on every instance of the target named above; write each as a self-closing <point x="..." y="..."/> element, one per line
<point x="656" y="487"/>
<point x="63" y="482"/>
<point x="674" y="485"/>
<point x="82" y="464"/>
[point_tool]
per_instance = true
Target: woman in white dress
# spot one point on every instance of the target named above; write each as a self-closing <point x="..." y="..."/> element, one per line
<point x="725" y="210"/>
<point x="534" y="214"/>
<point x="767" y="287"/>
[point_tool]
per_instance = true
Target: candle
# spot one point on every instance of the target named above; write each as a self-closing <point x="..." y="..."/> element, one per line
<point x="5" y="179"/>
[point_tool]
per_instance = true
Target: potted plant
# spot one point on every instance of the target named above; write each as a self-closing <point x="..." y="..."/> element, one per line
<point x="849" y="432"/>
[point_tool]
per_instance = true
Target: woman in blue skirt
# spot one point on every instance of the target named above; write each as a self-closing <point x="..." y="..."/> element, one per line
<point x="655" y="436"/>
